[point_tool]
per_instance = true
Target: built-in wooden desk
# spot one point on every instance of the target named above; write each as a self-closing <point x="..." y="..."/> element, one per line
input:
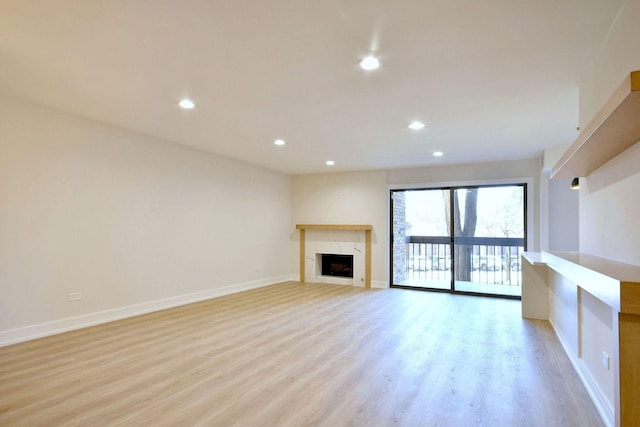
<point x="613" y="283"/>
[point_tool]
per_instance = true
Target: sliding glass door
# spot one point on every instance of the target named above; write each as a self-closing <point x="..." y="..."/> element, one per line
<point x="459" y="239"/>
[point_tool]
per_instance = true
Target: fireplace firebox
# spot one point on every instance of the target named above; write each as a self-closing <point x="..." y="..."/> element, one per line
<point x="337" y="265"/>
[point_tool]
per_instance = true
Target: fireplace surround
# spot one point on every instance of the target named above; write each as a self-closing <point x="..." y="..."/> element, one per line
<point x="351" y="245"/>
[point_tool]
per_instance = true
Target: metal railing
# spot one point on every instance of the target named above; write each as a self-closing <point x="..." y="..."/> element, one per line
<point x="484" y="260"/>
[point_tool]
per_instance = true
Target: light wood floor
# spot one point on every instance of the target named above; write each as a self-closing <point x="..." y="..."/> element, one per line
<point x="295" y="355"/>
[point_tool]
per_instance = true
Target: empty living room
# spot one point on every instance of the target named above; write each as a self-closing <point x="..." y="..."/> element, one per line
<point x="322" y="213"/>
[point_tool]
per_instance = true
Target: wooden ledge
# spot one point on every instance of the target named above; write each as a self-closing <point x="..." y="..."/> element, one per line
<point x="615" y="283"/>
<point x="618" y="271"/>
<point x="334" y="227"/>
<point x="534" y="258"/>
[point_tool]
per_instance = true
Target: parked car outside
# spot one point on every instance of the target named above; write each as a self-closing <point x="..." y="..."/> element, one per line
<point x="419" y="263"/>
<point x="490" y="263"/>
<point x="515" y="262"/>
<point x="441" y="263"/>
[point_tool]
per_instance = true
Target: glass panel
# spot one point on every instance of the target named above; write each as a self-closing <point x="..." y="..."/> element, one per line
<point x="489" y="232"/>
<point x="421" y="239"/>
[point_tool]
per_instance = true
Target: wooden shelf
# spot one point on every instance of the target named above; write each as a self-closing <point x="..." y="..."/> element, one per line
<point x="615" y="128"/>
<point x="333" y="227"/>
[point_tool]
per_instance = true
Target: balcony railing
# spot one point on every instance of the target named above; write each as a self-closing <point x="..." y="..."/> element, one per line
<point x="479" y="260"/>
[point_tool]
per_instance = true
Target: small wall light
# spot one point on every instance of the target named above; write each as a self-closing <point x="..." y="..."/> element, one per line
<point x="575" y="184"/>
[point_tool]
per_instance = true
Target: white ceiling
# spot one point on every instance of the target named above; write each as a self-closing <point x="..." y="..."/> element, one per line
<point x="494" y="79"/>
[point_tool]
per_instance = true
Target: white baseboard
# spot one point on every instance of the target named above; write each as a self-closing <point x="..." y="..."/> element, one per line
<point x="13" y="336"/>
<point x="602" y="404"/>
<point x="379" y="284"/>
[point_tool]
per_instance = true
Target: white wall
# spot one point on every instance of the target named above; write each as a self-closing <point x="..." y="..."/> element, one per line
<point x="564" y="216"/>
<point x="465" y="172"/>
<point x="563" y="310"/>
<point x="596" y="337"/>
<point x="559" y="208"/>
<point x="618" y="56"/>
<point x="609" y="209"/>
<point x="609" y="212"/>
<point x="584" y="326"/>
<point x="126" y="220"/>
<point x="345" y="198"/>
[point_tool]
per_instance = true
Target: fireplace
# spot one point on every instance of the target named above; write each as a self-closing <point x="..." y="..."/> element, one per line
<point x="337" y="265"/>
<point x="337" y="239"/>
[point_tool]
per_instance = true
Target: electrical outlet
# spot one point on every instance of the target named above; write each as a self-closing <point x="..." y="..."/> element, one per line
<point x="605" y="360"/>
<point x="75" y="296"/>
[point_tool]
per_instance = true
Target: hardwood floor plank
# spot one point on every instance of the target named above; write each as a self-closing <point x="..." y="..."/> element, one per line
<point x="301" y="354"/>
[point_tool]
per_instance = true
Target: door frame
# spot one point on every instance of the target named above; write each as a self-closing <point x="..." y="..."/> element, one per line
<point x="529" y="215"/>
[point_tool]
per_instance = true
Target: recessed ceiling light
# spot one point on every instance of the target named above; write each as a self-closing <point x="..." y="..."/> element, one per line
<point x="330" y="163"/>
<point x="279" y="142"/>
<point x="416" y="125"/>
<point x="370" y="63"/>
<point x="187" y="104"/>
<point x="438" y="153"/>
